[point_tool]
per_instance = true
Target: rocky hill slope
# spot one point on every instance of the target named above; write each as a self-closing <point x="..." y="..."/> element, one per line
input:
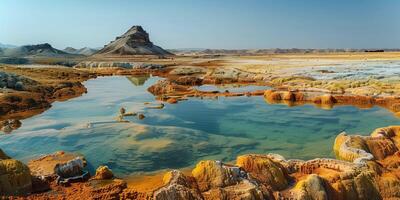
<point x="33" y="50"/>
<point x="135" y="41"/>
<point x="83" y="51"/>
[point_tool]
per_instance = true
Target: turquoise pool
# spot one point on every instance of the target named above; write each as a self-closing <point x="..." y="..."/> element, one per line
<point x="181" y="134"/>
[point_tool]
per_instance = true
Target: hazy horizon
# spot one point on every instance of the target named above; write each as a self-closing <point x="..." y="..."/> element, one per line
<point x="175" y="24"/>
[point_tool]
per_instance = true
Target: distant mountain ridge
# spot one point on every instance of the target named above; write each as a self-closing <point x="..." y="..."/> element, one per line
<point x="135" y="41"/>
<point x="200" y="51"/>
<point x="83" y="51"/>
<point x="6" y="46"/>
<point x="45" y="50"/>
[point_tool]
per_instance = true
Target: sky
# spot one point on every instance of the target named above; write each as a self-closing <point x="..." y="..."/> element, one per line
<point x="218" y="24"/>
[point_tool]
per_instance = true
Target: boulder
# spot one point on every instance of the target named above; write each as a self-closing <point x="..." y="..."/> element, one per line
<point x="103" y="173"/>
<point x="71" y="171"/>
<point x="213" y="174"/>
<point x="15" y="178"/>
<point x="312" y="188"/>
<point x="141" y="116"/>
<point x="265" y="170"/>
<point x="220" y="181"/>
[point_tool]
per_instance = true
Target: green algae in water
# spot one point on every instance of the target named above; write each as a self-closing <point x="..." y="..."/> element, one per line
<point x="182" y="134"/>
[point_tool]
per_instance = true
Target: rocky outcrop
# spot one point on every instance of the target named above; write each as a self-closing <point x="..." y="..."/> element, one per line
<point x="219" y="181"/>
<point x="231" y="75"/>
<point x="166" y="87"/>
<point x="265" y="170"/>
<point x="352" y="149"/>
<point x="182" y="87"/>
<point x="213" y="174"/>
<point x="311" y="188"/>
<point x="28" y="91"/>
<point x="367" y="170"/>
<point x="328" y="100"/>
<point x="118" y="65"/>
<point x="379" y="153"/>
<point x="91" y="65"/>
<point x="7" y="126"/>
<point x="15" y="177"/>
<point x="103" y="186"/>
<point x="187" y="70"/>
<point x="359" y="149"/>
<point x="14" y="81"/>
<point x="210" y="180"/>
<point x="135" y="41"/>
<point x="45" y="165"/>
<point x="177" y="187"/>
<point x="188" y="80"/>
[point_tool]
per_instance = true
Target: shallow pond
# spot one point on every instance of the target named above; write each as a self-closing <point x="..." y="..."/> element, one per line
<point x="181" y="134"/>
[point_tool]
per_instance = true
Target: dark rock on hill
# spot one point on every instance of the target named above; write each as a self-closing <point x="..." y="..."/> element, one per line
<point x="135" y="41"/>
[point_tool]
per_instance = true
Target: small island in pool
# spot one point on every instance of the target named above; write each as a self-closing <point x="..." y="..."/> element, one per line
<point x="134" y="120"/>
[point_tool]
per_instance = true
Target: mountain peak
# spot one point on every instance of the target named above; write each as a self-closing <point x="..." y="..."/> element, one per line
<point x="135" y="29"/>
<point x="135" y="41"/>
<point x="69" y="49"/>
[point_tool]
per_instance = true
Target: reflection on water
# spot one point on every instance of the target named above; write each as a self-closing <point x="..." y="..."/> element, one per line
<point x="181" y="134"/>
<point x="138" y="80"/>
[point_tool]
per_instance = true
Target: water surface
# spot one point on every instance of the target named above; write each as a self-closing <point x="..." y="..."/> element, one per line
<point x="181" y="134"/>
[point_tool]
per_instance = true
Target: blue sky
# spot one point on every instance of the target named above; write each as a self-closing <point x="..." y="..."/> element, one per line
<point x="230" y="24"/>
